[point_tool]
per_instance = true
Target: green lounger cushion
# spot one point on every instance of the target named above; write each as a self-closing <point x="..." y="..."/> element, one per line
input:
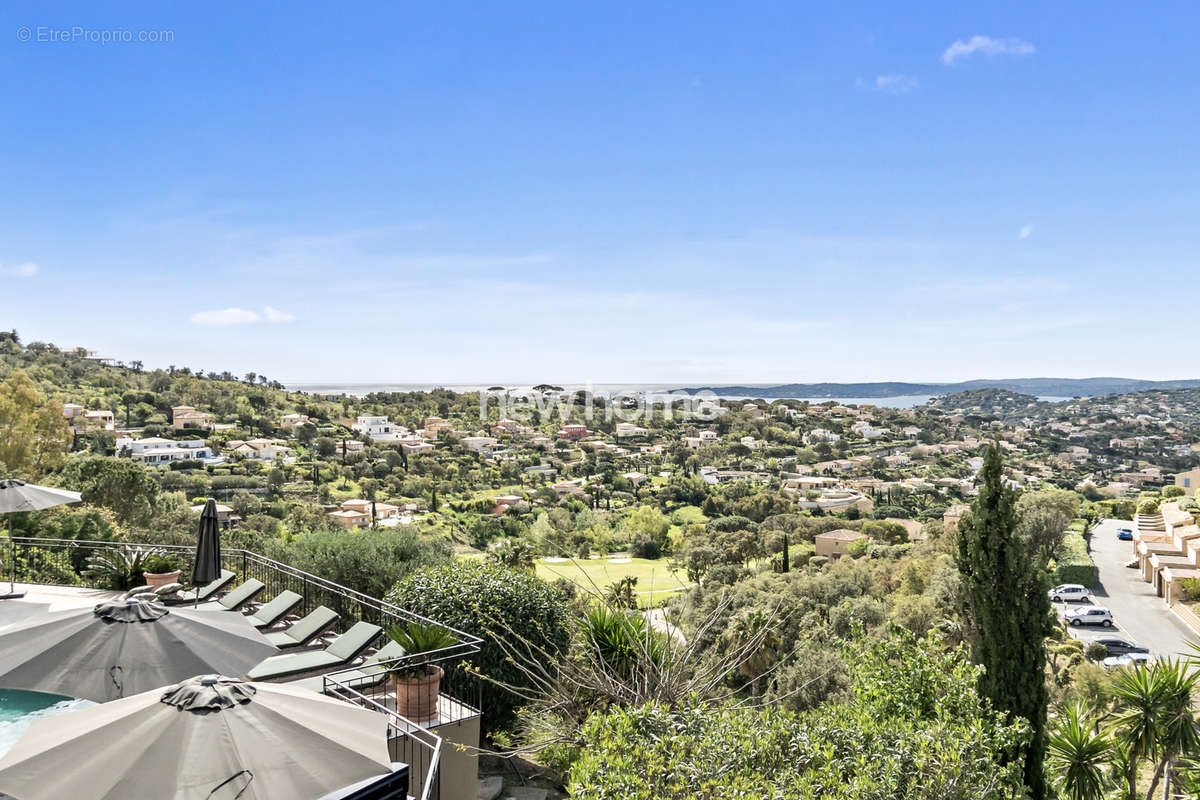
<point x="369" y="673"/>
<point x="305" y="630"/>
<point x="236" y="598"/>
<point x="277" y="609"/>
<point x="340" y="651"/>
<point x="208" y="590"/>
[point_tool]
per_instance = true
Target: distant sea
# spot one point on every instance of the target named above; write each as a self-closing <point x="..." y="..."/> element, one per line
<point x="656" y="390"/>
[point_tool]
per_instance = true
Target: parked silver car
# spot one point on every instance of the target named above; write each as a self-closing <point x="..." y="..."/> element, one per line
<point x="1069" y="591"/>
<point x="1089" y="615"/>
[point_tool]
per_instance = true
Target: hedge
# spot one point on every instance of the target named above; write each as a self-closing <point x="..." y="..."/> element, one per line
<point x="1074" y="564"/>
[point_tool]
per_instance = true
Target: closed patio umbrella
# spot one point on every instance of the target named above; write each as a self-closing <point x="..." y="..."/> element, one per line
<point x="208" y="547"/>
<point x="18" y="496"/>
<point x="207" y="738"/>
<point x="121" y="648"/>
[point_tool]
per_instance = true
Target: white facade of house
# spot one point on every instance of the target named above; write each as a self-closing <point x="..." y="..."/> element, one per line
<point x="155" y="450"/>
<point x="380" y="429"/>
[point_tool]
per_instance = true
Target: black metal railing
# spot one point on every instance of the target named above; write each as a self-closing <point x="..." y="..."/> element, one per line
<point x="64" y="562"/>
<point x="412" y="742"/>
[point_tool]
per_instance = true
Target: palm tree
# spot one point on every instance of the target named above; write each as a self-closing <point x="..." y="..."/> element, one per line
<point x="1136" y="722"/>
<point x="753" y="632"/>
<point x="1077" y="754"/>
<point x="1178" y="733"/>
<point x="1154" y="719"/>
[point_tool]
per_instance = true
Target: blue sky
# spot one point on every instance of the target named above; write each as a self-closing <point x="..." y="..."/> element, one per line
<point x="520" y="192"/>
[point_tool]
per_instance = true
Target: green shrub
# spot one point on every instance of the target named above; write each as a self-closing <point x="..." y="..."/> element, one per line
<point x="1096" y="651"/>
<point x="369" y="561"/>
<point x="495" y="604"/>
<point x="1074" y="564"/>
<point x="1171" y="492"/>
<point x="1191" y="588"/>
<point x="1148" y="506"/>
<point x="913" y="727"/>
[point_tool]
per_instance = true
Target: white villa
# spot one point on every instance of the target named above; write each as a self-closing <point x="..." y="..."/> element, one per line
<point x="380" y="429"/>
<point x="155" y="450"/>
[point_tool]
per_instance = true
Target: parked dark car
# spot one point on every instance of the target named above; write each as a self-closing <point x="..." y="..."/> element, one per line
<point x="1116" y="646"/>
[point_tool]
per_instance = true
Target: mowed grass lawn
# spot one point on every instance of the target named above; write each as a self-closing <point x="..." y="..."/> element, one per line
<point x="656" y="580"/>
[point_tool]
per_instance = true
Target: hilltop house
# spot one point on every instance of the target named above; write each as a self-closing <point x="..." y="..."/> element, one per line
<point x="379" y="429"/>
<point x="573" y="432"/>
<point x="627" y="429"/>
<point x="293" y="420"/>
<point x="155" y="450"/>
<point x="835" y="544"/>
<point x="1189" y="479"/>
<point x="259" y="449"/>
<point x="188" y="417"/>
<point x="483" y="445"/>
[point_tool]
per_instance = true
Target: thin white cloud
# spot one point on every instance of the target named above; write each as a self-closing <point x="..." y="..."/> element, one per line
<point x="26" y="270"/>
<point x="987" y="46"/>
<point x="891" y="84"/>
<point x="240" y="316"/>
<point x="1026" y="230"/>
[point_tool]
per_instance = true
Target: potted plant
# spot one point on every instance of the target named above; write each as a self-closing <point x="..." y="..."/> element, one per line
<point x="160" y="569"/>
<point x="419" y="686"/>
<point x="119" y="568"/>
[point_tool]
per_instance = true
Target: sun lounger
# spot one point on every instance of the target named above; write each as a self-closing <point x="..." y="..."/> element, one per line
<point x="270" y="613"/>
<point x="303" y="631"/>
<point x="369" y="673"/>
<point x="207" y="591"/>
<point x="236" y="598"/>
<point x="341" y="650"/>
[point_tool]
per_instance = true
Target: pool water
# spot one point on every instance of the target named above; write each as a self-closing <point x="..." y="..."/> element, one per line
<point x="19" y="708"/>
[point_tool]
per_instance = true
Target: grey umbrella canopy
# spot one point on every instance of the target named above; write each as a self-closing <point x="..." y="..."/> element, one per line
<point x="18" y="496"/>
<point x="205" y="739"/>
<point x="208" y="546"/>
<point x="119" y="649"/>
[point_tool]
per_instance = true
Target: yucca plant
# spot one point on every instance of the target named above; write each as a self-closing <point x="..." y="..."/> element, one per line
<point x="1078" y="754"/>
<point x="1154" y="718"/>
<point x="418" y="638"/>
<point x="120" y="568"/>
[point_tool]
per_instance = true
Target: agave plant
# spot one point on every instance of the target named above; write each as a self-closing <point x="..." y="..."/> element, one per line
<point x="418" y="638"/>
<point x="120" y="568"/>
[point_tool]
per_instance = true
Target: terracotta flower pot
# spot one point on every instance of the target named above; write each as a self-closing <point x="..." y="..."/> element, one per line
<point x="417" y="696"/>
<point x="157" y="579"/>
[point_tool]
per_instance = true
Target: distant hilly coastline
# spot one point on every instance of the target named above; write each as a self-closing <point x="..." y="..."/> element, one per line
<point x="1044" y="387"/>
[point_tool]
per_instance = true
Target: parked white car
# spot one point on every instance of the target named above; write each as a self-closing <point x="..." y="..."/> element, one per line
<point x="1127" y="660"/>
<point x="1070" y="591"/>
<point x="1089" y="615"/>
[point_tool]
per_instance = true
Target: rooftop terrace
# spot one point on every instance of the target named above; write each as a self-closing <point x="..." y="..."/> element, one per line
<point x="50" y="573"/>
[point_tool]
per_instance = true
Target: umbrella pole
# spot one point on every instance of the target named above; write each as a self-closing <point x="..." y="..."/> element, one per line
<point x="13" y="594"/>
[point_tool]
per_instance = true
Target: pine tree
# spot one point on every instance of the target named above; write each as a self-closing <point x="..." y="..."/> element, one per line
<point x="1005" y="591"/>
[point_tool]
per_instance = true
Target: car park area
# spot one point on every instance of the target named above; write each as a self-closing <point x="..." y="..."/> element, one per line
<point x="1139" y="615"/>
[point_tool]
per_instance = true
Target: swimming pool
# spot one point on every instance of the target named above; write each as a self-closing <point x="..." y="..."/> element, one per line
<point x="18" y="709"/>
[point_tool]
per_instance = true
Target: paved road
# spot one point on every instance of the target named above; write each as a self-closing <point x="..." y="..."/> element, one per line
<point x="1138" y="612"/>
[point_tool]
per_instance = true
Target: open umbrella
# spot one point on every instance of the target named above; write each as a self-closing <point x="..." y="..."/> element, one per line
<point x="17" y="496"/>
<point x="204" y="739"/>
<point x="208" y="547"/>
<point x="121" y="648"/>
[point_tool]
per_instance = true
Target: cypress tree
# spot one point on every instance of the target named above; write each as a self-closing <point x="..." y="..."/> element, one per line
<point x="786" y="566"/>
<point x="1005" y="593"/>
